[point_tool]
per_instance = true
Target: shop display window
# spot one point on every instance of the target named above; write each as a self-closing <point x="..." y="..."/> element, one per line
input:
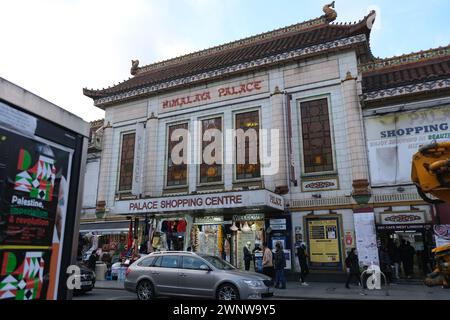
<point x="126" y="162"/>
<point x="250" y="169"/>
<point x="176" y="173"/>
<point x="316" y="135"/>
<point x="211" y="172"/>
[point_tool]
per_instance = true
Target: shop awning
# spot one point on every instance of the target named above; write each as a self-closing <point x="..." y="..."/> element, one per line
<point x="110" y="227"/>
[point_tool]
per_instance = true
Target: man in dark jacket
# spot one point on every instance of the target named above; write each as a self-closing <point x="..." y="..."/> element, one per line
<point x="92" y="261"/>
<point x="352" y="264"/>
<point x="247" y="256"/>
<point x="280" y="264"/>
<point x="302" y="260"/>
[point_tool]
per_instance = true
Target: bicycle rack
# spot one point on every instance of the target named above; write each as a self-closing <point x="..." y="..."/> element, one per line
<point x="371" y="272"/>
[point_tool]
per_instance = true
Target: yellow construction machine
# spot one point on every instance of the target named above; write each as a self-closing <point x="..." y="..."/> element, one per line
<point x="431" y="175"/>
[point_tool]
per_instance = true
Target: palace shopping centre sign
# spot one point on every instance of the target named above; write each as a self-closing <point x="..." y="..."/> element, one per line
<point x="243" y="199"/>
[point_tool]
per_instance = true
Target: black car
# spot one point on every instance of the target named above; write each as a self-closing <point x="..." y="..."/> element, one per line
<point x="87" y="279"/>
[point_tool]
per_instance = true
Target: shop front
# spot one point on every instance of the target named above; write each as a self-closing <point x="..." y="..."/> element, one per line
<point x="407" y="233"/>
<point x="219" y="224"/>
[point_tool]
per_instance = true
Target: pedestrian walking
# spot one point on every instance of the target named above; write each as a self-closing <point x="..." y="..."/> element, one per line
<point x="303" y="262"/>
<point x="352" y="265"/>
<point x="247" y="256"/>
<point x="267" y="261"/>
<point x="410" y="253"/>
<point x="92" y="261"/>
<point x="385" y="263"/>
<point x="280" y="264"/>
<point x="394" y="254"/>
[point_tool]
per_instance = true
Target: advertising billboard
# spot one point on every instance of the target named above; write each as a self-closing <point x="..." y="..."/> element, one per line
<point x="36" y="218"/>
<point x="324" y="242"/>
<point x="393" y="139"/>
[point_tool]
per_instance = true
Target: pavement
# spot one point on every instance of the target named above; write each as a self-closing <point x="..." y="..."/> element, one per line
<point x="334" y="290"/>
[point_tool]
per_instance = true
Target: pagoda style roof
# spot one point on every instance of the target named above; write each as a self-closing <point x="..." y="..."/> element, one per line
<point x="313" y="37"/>
<point x="408" y="74"/>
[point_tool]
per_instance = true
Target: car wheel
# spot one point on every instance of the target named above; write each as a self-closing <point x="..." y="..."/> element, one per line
<point x="145" y="290"/>
<point x="227" y="291"/>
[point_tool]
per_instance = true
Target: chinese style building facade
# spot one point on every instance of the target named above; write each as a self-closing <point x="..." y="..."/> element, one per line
<point x="315" y="83"/>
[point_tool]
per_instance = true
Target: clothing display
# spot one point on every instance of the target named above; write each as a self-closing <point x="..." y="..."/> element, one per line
<point x="164" y="226"/>
<point x="227" y="249"/>
<point x="181" y="226"/>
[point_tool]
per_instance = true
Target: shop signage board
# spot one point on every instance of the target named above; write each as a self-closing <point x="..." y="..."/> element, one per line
<point x="35" y="206"/>
<point x="244" y="199"/>
<point x="442" y="234"/>
<point x="209" y="220"/>
<point x="193" y="98"/>
<point x="404" y="227"/>
<point x="393" y="139"/>
<point x="17" y="120"/>
<point x="278" y="224"/>
<point x="415" y="217"/>
<point x="248" y="217"/>
<point x="324" y="242"/>
<point x="366" y="238"/>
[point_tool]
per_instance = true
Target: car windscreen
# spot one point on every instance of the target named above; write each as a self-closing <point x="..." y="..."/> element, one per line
<point x="218" y="262"/>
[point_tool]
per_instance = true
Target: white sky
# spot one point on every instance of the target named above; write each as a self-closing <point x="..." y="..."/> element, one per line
<point x="54" y="48"/>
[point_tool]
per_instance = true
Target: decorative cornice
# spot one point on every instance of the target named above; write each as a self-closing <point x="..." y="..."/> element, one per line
<point x="336" y="44"/>
<point x="236" y="44"/>
<point x="405" y="59"/>
<point x="408" y="89"/>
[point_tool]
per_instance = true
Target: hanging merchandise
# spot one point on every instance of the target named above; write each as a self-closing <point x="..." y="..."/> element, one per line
<point x="193" y="237"/>
<point x="246" y="228"/>
<point x="163" y="242"/>
<point x="197" y="237"/>
<point x="227" y="248"/>
<point x="164" y="226"/>
<point x="181" y="226"/>
<point x="233" y="227"/>
<point x="130" y="236"/>
<point x="220" y="240"/>
<point x="149" y="238"/>
<point x="156" y="240"/>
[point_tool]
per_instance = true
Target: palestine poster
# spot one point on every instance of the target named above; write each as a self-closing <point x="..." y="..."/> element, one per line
<point x="33" y="176"/>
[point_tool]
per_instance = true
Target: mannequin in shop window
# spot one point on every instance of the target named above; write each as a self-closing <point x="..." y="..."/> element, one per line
<point x="247" y="256"/>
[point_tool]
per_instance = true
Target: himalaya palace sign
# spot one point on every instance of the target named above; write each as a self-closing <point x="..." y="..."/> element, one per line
<point x="193" y="98"/>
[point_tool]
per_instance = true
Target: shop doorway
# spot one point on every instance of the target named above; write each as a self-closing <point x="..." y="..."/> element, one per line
<point x="409" y="251"/>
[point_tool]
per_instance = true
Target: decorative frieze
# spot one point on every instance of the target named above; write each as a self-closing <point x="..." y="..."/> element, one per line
<point x="408" y="89"/>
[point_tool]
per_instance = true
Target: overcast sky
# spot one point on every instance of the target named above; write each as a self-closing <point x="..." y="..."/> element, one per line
<point x="54" y="48"/>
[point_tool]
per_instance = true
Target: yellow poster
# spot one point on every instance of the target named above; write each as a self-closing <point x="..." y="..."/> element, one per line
<point x="324" y="241"/>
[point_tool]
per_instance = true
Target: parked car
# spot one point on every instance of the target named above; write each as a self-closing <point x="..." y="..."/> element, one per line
<point x="187" y="274"/>
<point x="87" y="279"/>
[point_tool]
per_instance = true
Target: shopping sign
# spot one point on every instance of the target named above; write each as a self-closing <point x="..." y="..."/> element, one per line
<point x="244" y="199"/>
<point x="393" y="139"/>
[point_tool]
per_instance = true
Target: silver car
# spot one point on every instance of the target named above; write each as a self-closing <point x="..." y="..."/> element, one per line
<point x="187" y="274"/>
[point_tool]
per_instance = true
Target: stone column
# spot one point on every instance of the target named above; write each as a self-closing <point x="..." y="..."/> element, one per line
<point x="355" y="139"/>
<point x="150" y="174"/>
<point x="104" y="180"/>
<point x="278" y="122"/>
